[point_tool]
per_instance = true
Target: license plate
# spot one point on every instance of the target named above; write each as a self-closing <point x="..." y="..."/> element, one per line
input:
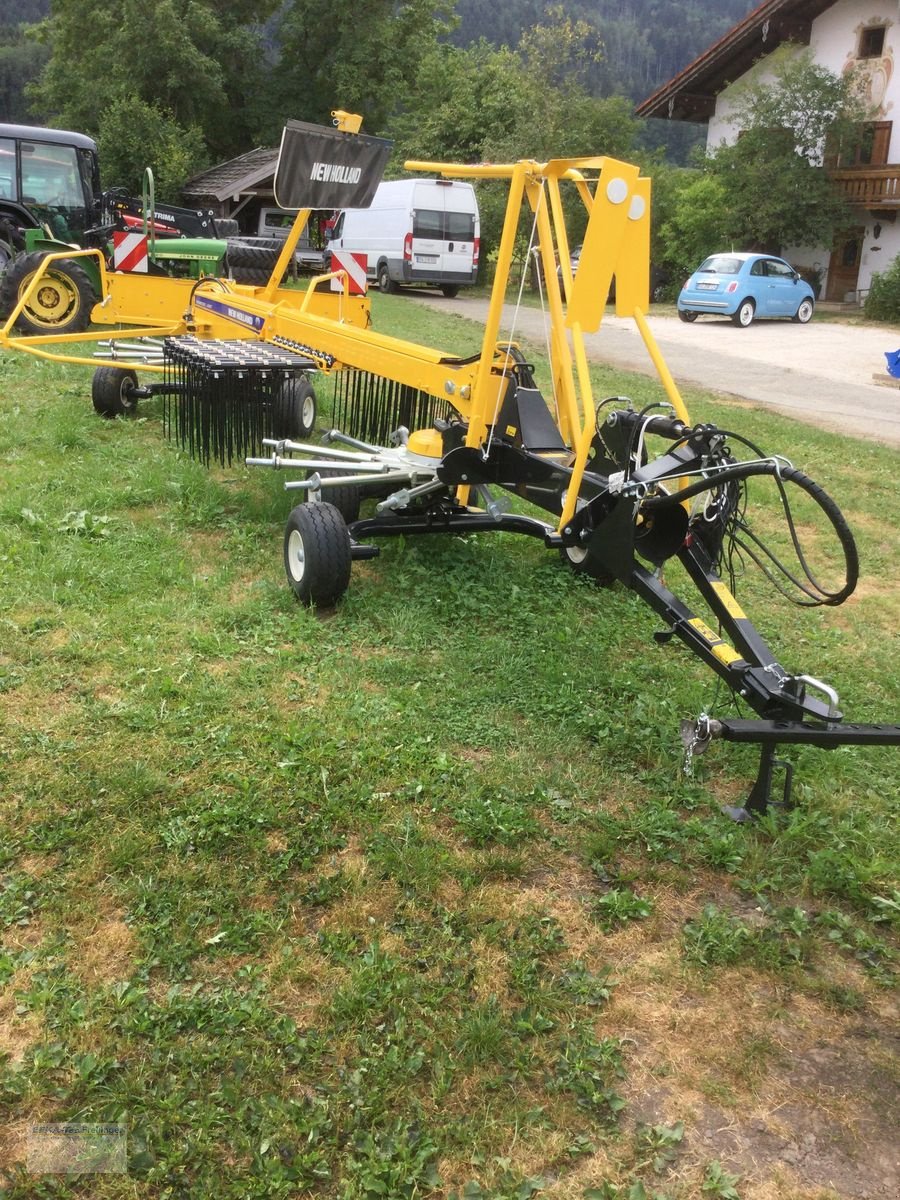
<point x="426" y="258"/>
<point x="706" y="287"/>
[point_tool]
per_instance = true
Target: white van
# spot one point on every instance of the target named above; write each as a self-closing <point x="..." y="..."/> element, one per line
<point x="417" y="231"/>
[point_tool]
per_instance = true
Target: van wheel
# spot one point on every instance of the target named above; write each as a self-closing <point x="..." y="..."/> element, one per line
<point x="385" y="283"/>
<point x="450" y="290"/>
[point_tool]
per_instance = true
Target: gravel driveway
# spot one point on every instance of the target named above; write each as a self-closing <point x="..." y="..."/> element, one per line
<point x="820" y="373"/>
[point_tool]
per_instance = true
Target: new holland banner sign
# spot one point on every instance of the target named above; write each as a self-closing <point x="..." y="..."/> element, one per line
<point x="326" y="168"/>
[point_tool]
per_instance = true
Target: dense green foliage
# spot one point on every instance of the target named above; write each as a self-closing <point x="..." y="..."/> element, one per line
<point x="883" y="300"/>
<point x="775" y="190"/>
<point x="194" y="62"/>
<point x="645" y="42"/>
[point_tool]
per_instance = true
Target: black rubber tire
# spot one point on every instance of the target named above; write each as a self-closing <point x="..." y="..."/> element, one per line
<point x="804" y="312"/>
<point x="249" y="275"/>
<point x="62" y="303"/>
<point x="317" y="556"/>
<point x="744" y="314"/>
<point x="260" y="258"/>
<point x="11" y="243"/>
<point x="385" y="283"/>
<point x="687" y="317"/>
<point x="345" y="498"/>
<point x="111" y="390"/>
<point x="450" y="290"/>
<point x="295" y="409"/>
<point x="227" y="227"/>
<point x="581" y="561"/>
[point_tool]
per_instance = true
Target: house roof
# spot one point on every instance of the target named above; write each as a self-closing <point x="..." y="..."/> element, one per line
<point x="691" y="95"/>
<point x="241" y="174"/>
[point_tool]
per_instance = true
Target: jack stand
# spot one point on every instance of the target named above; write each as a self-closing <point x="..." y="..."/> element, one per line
<point x="759" y="800"/>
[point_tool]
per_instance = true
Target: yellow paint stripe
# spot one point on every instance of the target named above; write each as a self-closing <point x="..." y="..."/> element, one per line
<point x="729" y="602"/>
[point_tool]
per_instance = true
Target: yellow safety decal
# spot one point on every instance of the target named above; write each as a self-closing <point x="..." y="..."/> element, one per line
<point x="704" y="630"/>
<point x="729" y="603"/>
<point x="726" y="654"/>
<point x="723" y="652"/>
<point x="511" y="431"/>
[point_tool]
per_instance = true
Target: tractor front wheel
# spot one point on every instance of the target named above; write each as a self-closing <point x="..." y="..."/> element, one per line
<point x="62" y="302"/>
<point x="317" y="555"/>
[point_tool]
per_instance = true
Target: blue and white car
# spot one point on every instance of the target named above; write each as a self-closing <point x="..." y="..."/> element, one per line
<point x="744" y="287"/>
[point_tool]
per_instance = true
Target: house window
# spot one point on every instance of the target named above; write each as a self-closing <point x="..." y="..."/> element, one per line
<point x="871" y="42"/>
<point x="870" y="150"/>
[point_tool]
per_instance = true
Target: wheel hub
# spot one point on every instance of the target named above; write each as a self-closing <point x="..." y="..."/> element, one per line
<point x="295" y="555"/>
<point x="50" y="303"/>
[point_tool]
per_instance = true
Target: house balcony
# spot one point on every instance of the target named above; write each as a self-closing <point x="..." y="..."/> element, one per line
<point x="874" y="188"/>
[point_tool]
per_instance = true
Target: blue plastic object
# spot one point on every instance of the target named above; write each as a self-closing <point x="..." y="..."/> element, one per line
<point x="893" y="362"/>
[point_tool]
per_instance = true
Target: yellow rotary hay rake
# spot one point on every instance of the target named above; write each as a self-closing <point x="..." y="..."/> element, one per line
<point x="439" y="443"/>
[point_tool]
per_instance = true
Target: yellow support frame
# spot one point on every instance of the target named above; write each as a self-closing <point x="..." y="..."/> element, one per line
<point x="336" y="326"/>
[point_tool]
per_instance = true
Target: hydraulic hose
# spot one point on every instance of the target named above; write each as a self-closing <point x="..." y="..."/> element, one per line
<point x="785" y="474"/>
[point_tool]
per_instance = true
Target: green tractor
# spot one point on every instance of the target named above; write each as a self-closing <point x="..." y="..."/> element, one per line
<point x="51" y="201"/>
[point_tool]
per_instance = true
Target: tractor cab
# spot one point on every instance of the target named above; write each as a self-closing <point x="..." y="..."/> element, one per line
<point x="48" y="177"/>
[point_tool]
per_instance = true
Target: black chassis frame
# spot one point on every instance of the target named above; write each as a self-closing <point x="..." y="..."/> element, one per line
<point x="789" y="709"/>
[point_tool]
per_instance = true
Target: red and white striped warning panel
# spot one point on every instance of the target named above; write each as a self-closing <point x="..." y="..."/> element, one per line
<point x="130" y="252"/>
<point x="355" y="266"/>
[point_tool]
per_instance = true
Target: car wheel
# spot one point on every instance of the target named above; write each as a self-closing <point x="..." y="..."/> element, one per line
<point x="744" y="314"/>
<point x="687" y="317"/>
<point x="385" y="283"/>
<point x="804" y="313"/>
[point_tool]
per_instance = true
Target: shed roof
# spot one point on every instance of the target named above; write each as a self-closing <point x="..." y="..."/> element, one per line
<point x="241" y="174"/>
<point x="691" y="94"/>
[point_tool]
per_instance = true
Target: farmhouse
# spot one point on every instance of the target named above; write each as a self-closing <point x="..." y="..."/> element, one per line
<point x="842" y="35"/>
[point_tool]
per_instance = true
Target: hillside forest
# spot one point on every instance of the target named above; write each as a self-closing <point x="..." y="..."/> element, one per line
<point x="90" y="65"/>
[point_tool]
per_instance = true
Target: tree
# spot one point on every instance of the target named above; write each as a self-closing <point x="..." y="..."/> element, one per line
<point x="358" y="56"/>
<point x="691" y="220"/>
<point x="775" y="189"/>
<point x="134" y="135"/>
<point x="483" y="104"/>
<point x="200" y="62"/>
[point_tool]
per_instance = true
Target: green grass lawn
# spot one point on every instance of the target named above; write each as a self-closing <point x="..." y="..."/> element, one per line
<point x="413" y="899"/>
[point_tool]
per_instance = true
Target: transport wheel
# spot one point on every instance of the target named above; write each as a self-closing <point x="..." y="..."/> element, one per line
<point x="804" y="313"/>
<point x="345" y="497"/>
<point x="385" y="283"/>
<point x="580" y="560"/>
<point x="62" y="302"/>
<point x="295" y="409"/>
<point x="111" y="390"/>
<point x="317" y="554"/>
<point x="226" y="227"/>
<point x="745" y="313"/>
<point x="687" y="317"/>
<point x="449" y="290"/>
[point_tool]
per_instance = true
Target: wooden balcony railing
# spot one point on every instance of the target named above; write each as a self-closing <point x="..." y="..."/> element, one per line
<point x="870" y="187"/>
